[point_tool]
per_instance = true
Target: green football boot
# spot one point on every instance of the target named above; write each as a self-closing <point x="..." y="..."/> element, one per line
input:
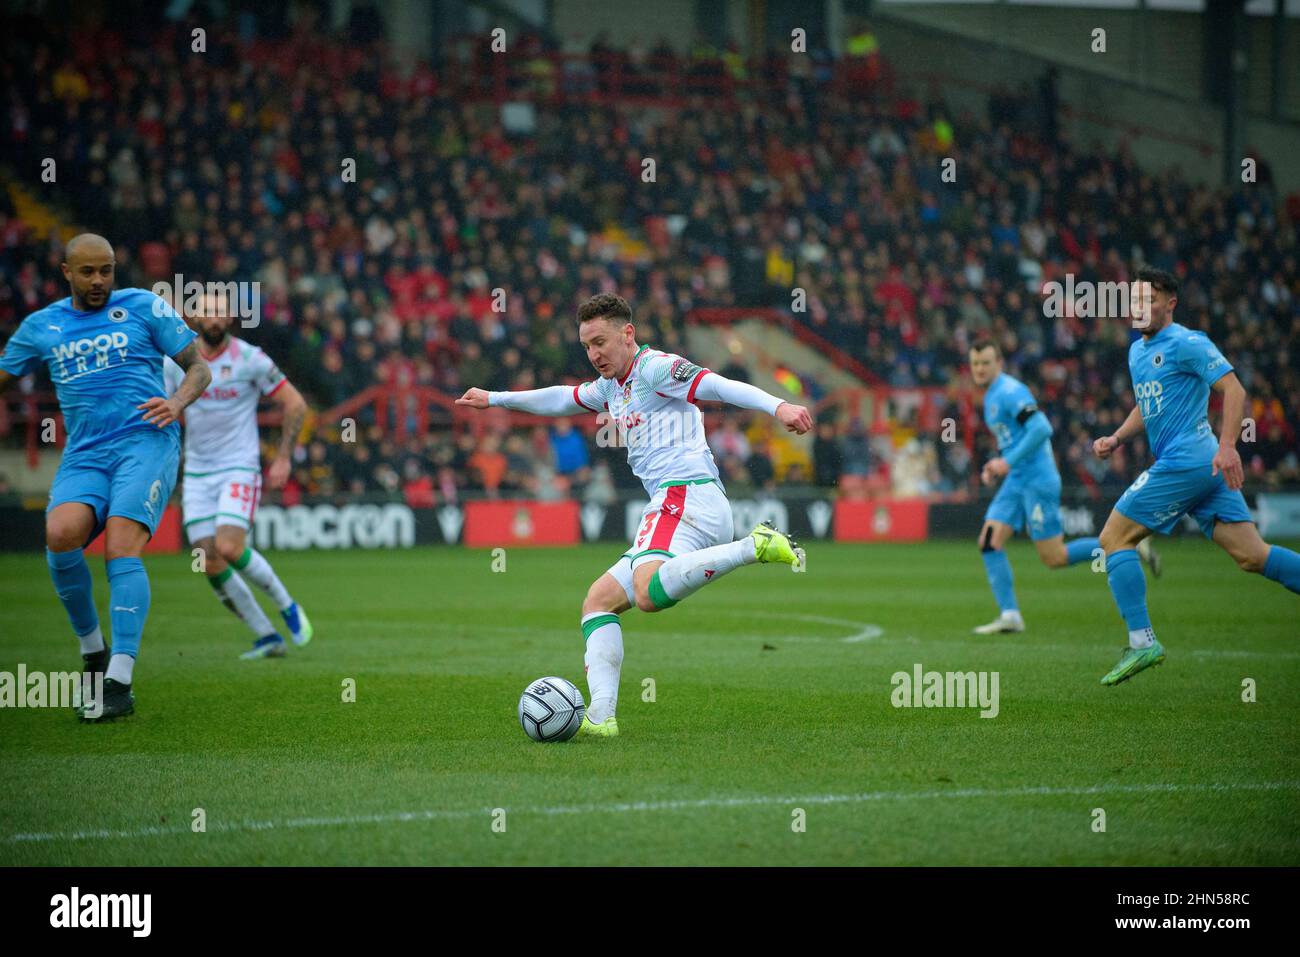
<point x="1134" y="660"/>
<point x="771" y="545"/>
<point x="606" y="729"/>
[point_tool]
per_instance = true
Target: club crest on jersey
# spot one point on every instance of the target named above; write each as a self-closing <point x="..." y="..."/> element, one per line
<point x="1158" y="360"/>
<point x="117" y="314"/>
<point x="627" y="392"/>
<point x="225" y="372"/>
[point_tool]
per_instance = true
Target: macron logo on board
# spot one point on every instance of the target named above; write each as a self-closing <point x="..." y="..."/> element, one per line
<point x="102" y="910"/>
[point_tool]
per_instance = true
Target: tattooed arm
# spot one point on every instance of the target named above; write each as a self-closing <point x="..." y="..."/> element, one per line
<point x="163" y="412"/>
<point x="294" y="409"/>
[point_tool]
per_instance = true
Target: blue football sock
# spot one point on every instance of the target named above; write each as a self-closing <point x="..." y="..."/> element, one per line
<point x="72" y="582"/>
<point x="1080" y="550"/>
<point x="128" y="597"/>
<point x="1283" y="566"/>
<point x="998" y="567"/>
<point x="1129" y="586"/>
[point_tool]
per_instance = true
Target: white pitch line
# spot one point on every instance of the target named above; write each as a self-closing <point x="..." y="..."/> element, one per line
<point x="865" y="632"/>
<point x="402" y="817"/>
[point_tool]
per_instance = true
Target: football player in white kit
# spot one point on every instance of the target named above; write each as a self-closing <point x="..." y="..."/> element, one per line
<point x="684" y="540"/>
<point x="222" y="475"/>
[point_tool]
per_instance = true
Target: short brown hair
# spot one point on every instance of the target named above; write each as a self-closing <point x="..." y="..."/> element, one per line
<point x="606" y="305"/>
<point x="984" y="342"/>
<point x="1166" y="282"/>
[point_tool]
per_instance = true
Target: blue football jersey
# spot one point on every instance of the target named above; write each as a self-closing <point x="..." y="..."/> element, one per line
<point x="103" y="363"/>
<point x="1172" y="374"/>
<point x="1008" y="404"/>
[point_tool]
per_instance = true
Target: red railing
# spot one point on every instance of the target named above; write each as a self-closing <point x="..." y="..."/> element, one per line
<point x="395" y="408"/>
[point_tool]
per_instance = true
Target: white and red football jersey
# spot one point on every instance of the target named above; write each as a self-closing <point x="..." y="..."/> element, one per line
<point x="655" y="412"/>
<point x="221" y="425"/>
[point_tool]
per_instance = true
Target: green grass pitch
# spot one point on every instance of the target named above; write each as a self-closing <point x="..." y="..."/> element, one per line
<point x="772" y="693"/>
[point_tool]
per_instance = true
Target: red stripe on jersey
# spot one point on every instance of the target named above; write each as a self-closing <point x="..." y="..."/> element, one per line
<point x="580" y="402"/>
<point x="257" y="494"/>
<point x="695" y="384"/>
<point x="669" y="518"/>
<point x="277" y="387"/>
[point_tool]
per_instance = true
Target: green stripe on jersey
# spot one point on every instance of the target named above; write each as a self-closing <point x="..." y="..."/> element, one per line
<point x="703" y="481"/>
<point x="650" y="551"/>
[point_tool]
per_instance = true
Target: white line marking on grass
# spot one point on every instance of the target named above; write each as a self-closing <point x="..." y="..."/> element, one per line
<point x="865" y="632"/>
<point x="759" y="800"/>
<point x="1242" y="653"/>
<point x="1019" y="644"/>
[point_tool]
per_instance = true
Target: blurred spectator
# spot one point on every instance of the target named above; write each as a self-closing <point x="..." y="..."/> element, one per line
<point x="221" y="173"/>
<point x="828" y="459"/>
<point x="570" y="450"/>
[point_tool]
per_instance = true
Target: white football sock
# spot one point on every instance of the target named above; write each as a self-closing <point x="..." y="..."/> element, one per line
<point x="260" y="573"/>
<point x="1142" y="638"/>
<point x="604" y="660"/>
<point x="687" y="574"/>
<point x="120" y="668"/>
<point x="238" y="597"/>
<point x="92" y="642"/>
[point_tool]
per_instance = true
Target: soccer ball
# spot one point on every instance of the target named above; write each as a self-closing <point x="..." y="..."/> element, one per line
<point x="551" y="709"/>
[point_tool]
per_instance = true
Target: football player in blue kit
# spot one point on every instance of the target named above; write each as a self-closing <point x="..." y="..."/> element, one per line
<point x="104" y="350"/>
<point x="1030" y="496"/>
<point x="1173" y="369"/>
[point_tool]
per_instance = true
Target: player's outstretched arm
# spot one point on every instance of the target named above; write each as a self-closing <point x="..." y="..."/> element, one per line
<point x="293" y="410"/>
<point x="1228" y="459"/>
<point x="1107" y="444"/>
<point x="163" y="412"/>
<point x="553" y="400"/>
<point x="719" y="388"/>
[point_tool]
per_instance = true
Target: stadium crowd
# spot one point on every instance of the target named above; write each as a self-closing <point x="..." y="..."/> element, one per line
<point x="233" y="166"/>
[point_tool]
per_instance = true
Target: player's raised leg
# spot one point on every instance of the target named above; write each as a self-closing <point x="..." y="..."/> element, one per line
<point x="67" y="528"/>
<point x="1042" y="509"/>
<point x="1120" y="539"/>
<point x="602" y="631"/>
<point x="997" y="567"/>
<point x="660" y="585"/>
<point x="232" y="546"/>
<point x="1056" y="552"/>
<point x="1242" y="541"/>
